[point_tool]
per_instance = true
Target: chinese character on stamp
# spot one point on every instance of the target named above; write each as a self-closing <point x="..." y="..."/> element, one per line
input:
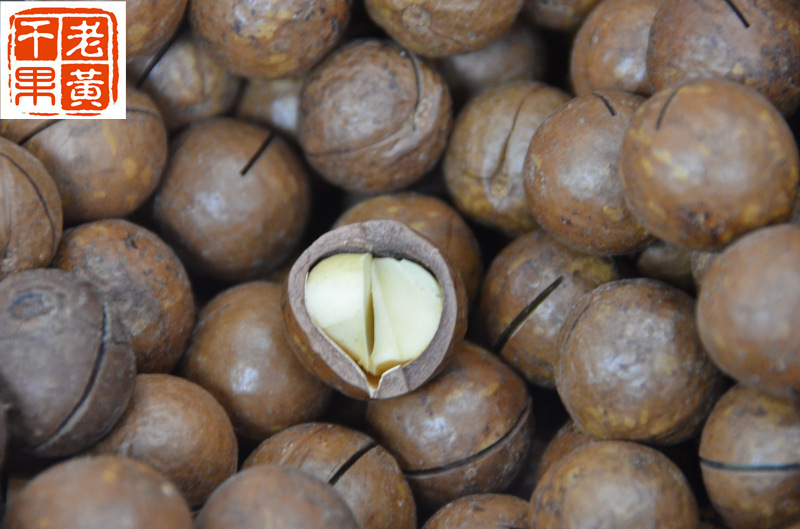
<point x="62" y="59"/>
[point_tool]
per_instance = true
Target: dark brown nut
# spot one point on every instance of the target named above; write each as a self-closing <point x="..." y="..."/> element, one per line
<point x="483" y="165"/>
<point x="66" y="363"/>
<point x="435" y="28"/>
<point x="186" y="83"/>
<point x="753" y="42"/>
<point x="362" y="472"/>
<point x="466" y="431"/>
<point x="707" y="161"/>
<point x="668" y="263"/>
<point x="571" y="177"/>
<point x="750" y="458"/>
<point x="373" y="117"/>
<point x="559" y="15"/>
<point x="481" y="511"/>
<point x="567" y="440"/>
<point x="99" y="493"/>
<point x="432" y="218"/>
<point x="374" y="309"/>
<point x="102" y="168"/>
<point x="142" y="278"/>
<point x="180" y="430"/>
<point x="519" y="54"/>
<point x="614" y="484"/>
<point x="274" y="103"/>
<point x="631" y="365"/>
<point x="747" y="310"/>
<point x="235" y="199"/>
<point x="31" y="211"/>
<point x="240" y="354"/>
<point x="269" y="38"/>
<point x="3" y="436"/>
<point x="610" y="47"/>
<point x="515" y="284"/>
<point x="701" y="264"/>
<point x="150" y="24"/>
<point x="271" y="496"/>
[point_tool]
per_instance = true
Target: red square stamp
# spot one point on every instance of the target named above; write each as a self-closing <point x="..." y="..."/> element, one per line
<point x="62" y="59"/>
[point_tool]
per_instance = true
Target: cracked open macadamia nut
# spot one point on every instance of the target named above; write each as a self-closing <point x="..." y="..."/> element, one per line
<point x="99" y="493"/>
<point x="750" y="459"/>
<point x="707" y="161"/>
<point x="31" y="211"/>
<point x="235" y="199"/>
<point x="437" y="28"/>
<point x="466" y="431"/>
<point x="361" y="471"/>
<point x="66" y="363"/>
<point x="374" y="309"/>
<point x="373" y="117"/>
<point x="142" y="278"/>
<point x="268" y="38"/>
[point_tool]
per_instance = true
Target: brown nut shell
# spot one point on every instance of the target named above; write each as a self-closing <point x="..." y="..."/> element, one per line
<point x="614" y="484"/>
<point x="432" y="218"/>
<point x="466" y="431"/>
<point x="325" y="359"/>
<point x="567" y="440"/>
<point x="559" y="15"/>
<point x="240" y="353"/>
<point x="748" y="306"/>
<point x="32" y="218"/>
<point x="481" y="511"/>
<point x="178" y="428"/>
<point x="150" y="24"/>
<point x="373" y="117"/>
<point x="274" y="103"/>
<point x="99" y="493"/>
<point x="750" y="459"/>
<point x="271" y="496"/>
<point x="269" y="38"/>
<point x="142" y="278"/>
<point x="67" y="365"/>
<point x="708" y="161"/>
<point x="364" y="474"/>
<point x="436" y="28"/>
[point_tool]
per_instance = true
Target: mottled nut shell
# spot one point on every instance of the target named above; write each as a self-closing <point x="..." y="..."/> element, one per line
<point x="186" y="83"/>
<point x="483" y="165"/>
<point x="567" y="440"/>
<point x="667" y="262"/>
<point x="748" y="306"/>
<point x="269" y="38"/>
<point x="66" y="363"/>
<point x="701" y="264"/>
<point x="707" y="161"/>
<point x="559" y="15"/>
<point x="753" y="42"/>
<point x="466" y="431"/>
<point x="104" y="168"/>
<point x="749" y="453"/>
<point x="631" y="365"/>
<point x="609" y="51"/>
<point x="572" y="179"/>
<point x="99" y="493"/>
<point x="517" y="277"/>
<point x="235" y="199"/>
<point x="373" y="117"/>
<point x="481" y="511"/>
<point x="519" y="54"/>
<point x="150" y="24"/>
<point x="142" y="278"/>
<point x="362" y="472"/>
<point x="436" y="28"/>
<point x="614" y="484"/>
<point x="271" y="496"/>
<point x="432" y="218"/>
<point x="180" y="430"/>
<point x="31" y="211"/>
<point x="274" y="103"/>
<point x="332" y="365"/>
<point x="240" y="353"/>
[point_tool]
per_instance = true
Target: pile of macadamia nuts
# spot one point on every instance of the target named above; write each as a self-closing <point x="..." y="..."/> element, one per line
<point x="401" y="264"/>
